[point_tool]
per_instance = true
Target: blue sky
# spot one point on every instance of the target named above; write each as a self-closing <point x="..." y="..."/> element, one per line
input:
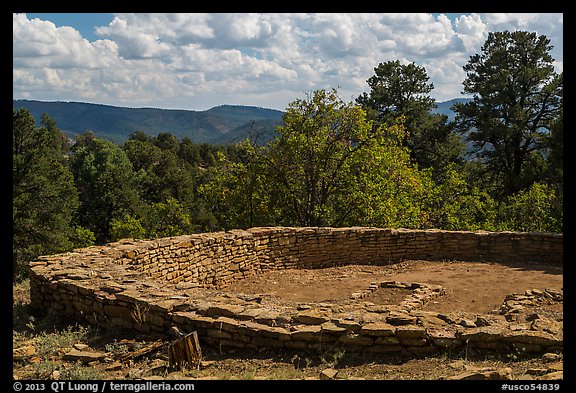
<point x="85" y="23"/>
<point x="197" y="61"/>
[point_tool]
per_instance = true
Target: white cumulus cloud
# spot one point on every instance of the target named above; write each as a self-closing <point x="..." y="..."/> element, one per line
<point x="196" y="61"/>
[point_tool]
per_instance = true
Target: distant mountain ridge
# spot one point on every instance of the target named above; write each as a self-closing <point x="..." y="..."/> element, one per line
<point x="219" y="125"/>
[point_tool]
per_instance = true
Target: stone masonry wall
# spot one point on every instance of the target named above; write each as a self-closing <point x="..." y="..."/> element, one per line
<point x="151" y="285"/>
<point x="216" y="259"/>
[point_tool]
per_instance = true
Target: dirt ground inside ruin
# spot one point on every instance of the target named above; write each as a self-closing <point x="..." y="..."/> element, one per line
<point x="40" y="345"/>
<point x="478" y="287"/>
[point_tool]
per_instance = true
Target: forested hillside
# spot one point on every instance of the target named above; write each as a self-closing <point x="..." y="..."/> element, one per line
<point x="219" y="125"/>
<point x="385" y="160"/>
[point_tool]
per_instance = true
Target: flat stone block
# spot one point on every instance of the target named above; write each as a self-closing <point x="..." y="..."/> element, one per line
<point x="378" y="329"/>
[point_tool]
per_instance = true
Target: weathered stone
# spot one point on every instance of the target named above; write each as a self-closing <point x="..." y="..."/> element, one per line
<point x="467" y="323"/>
<point x="482" y="321"/>
<point x="547" y="325"/>
<point x="306" y="333"/>
<point x="558" y="366"/>
<point x="27" y="350"/>
<point x="310" y="317"/>
<point x="75" y="355"/>
<point x="328" y="373"/>
<point x="556" y="375"/>
<point x="484" y="333"/>
<point x="410" y="331"/>
<point x="115" y="366"/>
<point x="396" y="318"/>
<point x="227" y="324"/>
<point x="250" y="313"/>
<point x="377" y="308"/>
<point x="484" y="374"/>
<point x="378" y="329"/>
<point x="183" y="285"/>
<point x="331" y="328"/>
<point x="519" y="326"/>
<point x="348" y="324"/>
<point x="449" y="318"/>
<point x="277" y="333"/>
<point x="532" y="337"/>
<point x="267" y="317"/>
<point x="441" y="332"/>
<point x="551" y="357"/>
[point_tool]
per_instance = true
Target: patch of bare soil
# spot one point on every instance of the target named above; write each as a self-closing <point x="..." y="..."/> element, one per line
<point x="470" y="286"/>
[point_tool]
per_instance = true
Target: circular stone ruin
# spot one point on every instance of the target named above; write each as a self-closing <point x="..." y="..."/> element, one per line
<point x="153" y="285"/>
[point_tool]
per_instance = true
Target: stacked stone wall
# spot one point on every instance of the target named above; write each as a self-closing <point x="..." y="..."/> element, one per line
<point x="151" y="285"/>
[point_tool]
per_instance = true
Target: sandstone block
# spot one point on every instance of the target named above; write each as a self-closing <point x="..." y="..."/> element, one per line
<point x="328" y="373"/>
<point x="75" y="355"/>
<point x="306" y="333"/>
<point x="484" y="333"/>
<point x="332" y="328"/>
<point x="484" y="374"/>
<point x="398" y="318"/>
<point x="532" y="337"/>
<point x="226" y="324"/>
<point x="410" y="331"/>
<point x="310" y="317"/>
<point x="277" y="333"/>
<point x="378" y="329"/>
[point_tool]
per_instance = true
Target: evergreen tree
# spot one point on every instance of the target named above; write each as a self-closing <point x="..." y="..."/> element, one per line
<point x="44" y="197"/>
<point x="403" y="90"/>
<point x="516" y="97"/>
<point x="107" y="184"/>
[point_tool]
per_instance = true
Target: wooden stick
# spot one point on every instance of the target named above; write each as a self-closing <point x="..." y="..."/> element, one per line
<point x="143" y="351"/>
